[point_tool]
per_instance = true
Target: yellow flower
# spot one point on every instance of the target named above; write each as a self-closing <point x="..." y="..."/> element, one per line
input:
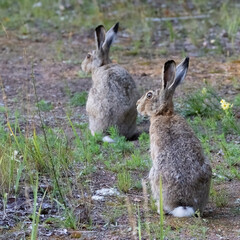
<point x="225" y="105"/>
<point x="204" y="91"/>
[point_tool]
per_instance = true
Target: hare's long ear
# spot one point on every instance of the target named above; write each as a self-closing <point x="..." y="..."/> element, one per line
<point x="168" y="74"/>
<point x="181" y="72"/>
<point x="100" y="33"/>
<point x="110" y="36"/>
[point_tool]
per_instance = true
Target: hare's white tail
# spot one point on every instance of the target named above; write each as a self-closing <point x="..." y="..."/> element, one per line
<point x="182" y="212"/>
<point x="108" y="139"/>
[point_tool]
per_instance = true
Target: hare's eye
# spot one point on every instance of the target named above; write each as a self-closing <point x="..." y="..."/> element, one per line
<point x="149" y="95"/>
<point x="89" y="55"/>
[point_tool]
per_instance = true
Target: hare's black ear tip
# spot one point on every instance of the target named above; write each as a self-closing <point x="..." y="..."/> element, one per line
<point x="186" y="61"/>
<point x="116" y="26"/>
<point x="169" y="63"/>
<point x="99" y="27"/>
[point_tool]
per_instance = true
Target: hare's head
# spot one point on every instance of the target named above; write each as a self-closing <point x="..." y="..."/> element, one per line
<point x="159" y="102"/>
<point x="100" y="56"/>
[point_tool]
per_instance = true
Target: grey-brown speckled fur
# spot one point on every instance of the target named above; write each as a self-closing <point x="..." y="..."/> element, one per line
<point x="177" y="155"/>
<point x="113" y="95"/>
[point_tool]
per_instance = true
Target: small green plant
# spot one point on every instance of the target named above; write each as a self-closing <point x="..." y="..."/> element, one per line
<point x="121" y="145"/>
<point x="24" y="29"/>
<point x="82" y="74"/>
<point x="124" y="181"/>
<point x="113" y="212"/>
<point x="137" y="161"/>
<point x="229" y="19"/>
<point x="237" y="100"/>
<point x="198" y="227"/>
<point x="172" y="35"/>
<point x="2" y="109"/>
<point x="144" y="141"/>
<point x="44" y="106"/>
<point x="219" y="197"/>
<point x="202" y="102"/>
<point x="231" y="153"/>
<point x="70" y="220"/>
<point x="138" y="185"/>
<point x="153" y="205"/>
<point x="79" y="99"/>
<point x="229" y="122"/>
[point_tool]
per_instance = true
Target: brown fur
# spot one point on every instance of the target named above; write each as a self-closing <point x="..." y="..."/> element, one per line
<point x="177" y="155"/>
<point x="113" y="95"/>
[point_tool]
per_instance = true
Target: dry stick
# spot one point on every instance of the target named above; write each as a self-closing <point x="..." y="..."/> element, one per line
<point x="4" y="29"/>
<point x="178" y="18"/>
<point x="46" y="140"/>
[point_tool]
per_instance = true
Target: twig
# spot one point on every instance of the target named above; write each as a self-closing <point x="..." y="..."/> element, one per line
<point x="177" y="18"/>
<point x="4" y="29"/>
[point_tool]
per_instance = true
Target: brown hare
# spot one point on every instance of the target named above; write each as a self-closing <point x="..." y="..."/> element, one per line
<point x="177" y="155"/>
<point x="113" y="95"/>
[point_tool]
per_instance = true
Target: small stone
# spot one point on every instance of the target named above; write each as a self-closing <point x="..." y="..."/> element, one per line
<point x="107" y="192"/>
<point x="97" y="198"/>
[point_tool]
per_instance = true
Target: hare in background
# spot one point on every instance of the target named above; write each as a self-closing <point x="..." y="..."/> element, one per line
<point x="113" y="95"/>
<point x="177" y="154"/>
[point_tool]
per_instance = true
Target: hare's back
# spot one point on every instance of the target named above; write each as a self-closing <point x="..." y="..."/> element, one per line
<point x="114" y="81"/>
<point x="177" y="147"/>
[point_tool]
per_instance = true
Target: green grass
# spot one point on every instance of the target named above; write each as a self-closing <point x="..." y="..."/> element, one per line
<point x="21" y="156"/>
<point x="113" y="212"/>
<point x="79" y="99"/>
<point x="70" y="165"/>
<point x="44" y="106"/>
<point x="124" y="181"/>
<point x="204" y="103"/>
<point x="76" y="162"/>
<point x="137" y="161"/>
<point x="220" y="198"/>
<point x="213" y="128"/>
<point x="237" y="100"/>
<point x="229" y="19"/>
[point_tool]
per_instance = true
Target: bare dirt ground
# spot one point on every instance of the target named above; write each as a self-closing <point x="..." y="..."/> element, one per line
<point x="54" y="77"/>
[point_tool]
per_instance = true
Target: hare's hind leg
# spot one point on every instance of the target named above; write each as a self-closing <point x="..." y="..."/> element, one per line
<point x="154" y="182"/>
<point x="154" y="178"/>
